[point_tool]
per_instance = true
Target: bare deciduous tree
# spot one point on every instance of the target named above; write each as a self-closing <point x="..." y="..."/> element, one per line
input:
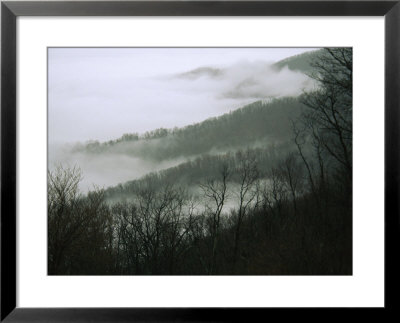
<point x="65" y="219"/>
<point x="248" y="174"/>
<point x="215" y="192"/>
<point x="330" y="107"/>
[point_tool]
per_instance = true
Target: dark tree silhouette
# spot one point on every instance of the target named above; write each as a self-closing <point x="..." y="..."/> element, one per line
<point x="215" y="192"/>
<point x="328" y="118"/>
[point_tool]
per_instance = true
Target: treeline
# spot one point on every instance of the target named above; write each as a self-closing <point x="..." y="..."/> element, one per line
<point x="193" y="172"/>
<point x="269" y="122"/>
<point x="293" y="217"/>
<point x="301" y="62"/>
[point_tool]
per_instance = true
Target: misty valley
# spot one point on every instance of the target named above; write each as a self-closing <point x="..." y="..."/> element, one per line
<point x="260" y="186"/>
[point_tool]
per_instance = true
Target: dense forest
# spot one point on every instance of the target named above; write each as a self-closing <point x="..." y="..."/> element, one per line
<point x="302" y="62"/>
<point x="264" y="190"/>
<point x="269" y="122"/>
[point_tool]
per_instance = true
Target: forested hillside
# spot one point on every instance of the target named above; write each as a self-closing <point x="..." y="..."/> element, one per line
<point x="257" y="124"/>
<point x="302" y="62"/>
<point x="192" y="173"/>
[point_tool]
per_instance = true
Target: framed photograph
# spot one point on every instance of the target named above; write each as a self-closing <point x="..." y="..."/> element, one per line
<point x="193" y="160"/>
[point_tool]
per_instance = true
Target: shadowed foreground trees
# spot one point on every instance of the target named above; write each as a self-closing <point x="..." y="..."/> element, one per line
<point x="80" y="228"/>
<point x="165" y="231"/>
<point x="151" y="232"/>
<point x="327" y="121"/>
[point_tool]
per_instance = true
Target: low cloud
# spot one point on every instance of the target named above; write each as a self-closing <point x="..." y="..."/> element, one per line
<point x="105" y="169"/>
<point x="214" y="73"/>
<point x="246" y="81"/>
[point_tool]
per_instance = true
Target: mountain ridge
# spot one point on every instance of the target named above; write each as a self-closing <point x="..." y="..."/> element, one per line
<point x="268" y="120"/>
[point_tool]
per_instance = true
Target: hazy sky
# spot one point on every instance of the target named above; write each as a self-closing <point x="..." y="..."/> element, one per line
<point x="102" y="93"/>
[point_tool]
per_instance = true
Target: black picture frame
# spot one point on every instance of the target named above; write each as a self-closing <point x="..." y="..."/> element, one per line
<point x="10" y="10"/>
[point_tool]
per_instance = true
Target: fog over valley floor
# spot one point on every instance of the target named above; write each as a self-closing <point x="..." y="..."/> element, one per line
<point x="106" y="169"/>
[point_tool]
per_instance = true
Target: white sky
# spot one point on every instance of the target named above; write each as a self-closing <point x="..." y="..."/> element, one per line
<point x="102" y="93"/>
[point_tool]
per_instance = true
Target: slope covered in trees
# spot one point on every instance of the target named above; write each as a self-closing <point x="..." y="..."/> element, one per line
<point x="192" y="173"/>
<point x="270" y="123"/>
<point x="302" y="62"/>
